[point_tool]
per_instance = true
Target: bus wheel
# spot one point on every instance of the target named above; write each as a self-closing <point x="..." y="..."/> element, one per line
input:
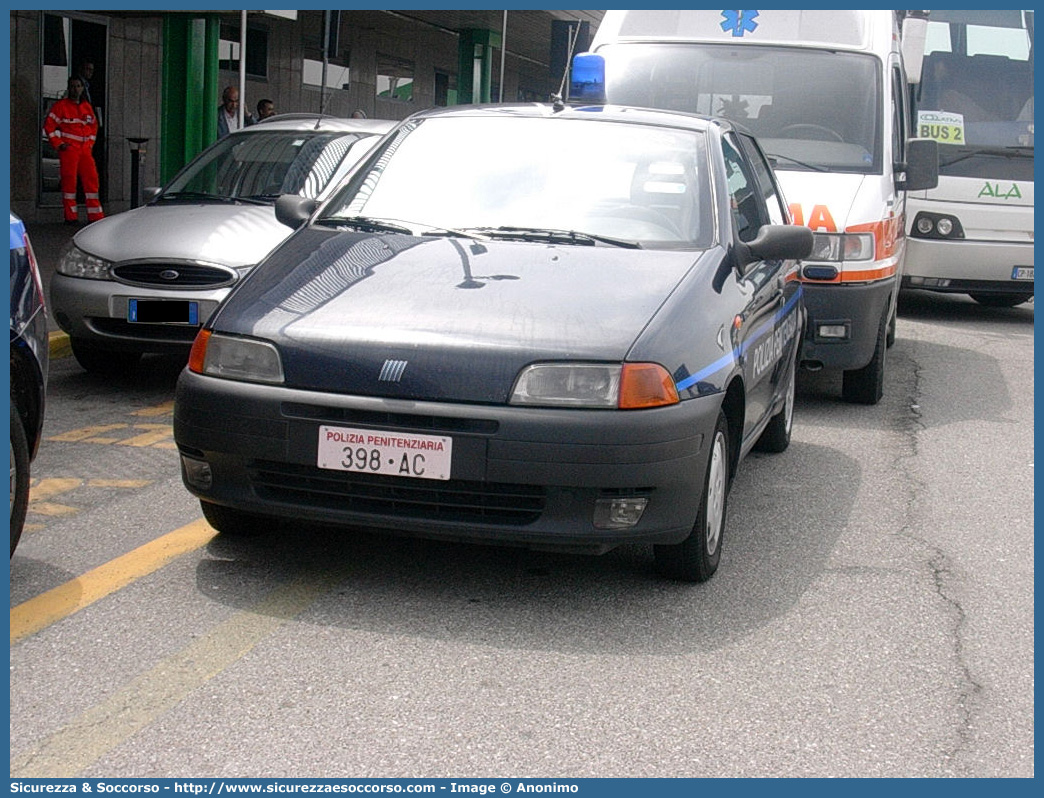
<point x="1001" y="300"/>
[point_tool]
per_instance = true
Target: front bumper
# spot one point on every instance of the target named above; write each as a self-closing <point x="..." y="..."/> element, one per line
<point x="966" y="266"/>
<point x="96" y="311"/>
<point x="519" y="475"/>
<point x="857" y="307"/>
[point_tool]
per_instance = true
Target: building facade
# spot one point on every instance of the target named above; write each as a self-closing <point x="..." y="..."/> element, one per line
<point x="158" y="76"/>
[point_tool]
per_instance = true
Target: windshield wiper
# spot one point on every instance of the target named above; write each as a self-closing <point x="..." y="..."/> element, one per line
<point x="195" y="195"/>
<point x="1000" y="152"/>
<point x="556" y="236"/>
<point x="773" y="157"/>
<point x="364" y="223"/>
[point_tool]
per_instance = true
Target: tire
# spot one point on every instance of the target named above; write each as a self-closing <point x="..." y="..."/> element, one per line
<point x="892" y="322"/>
<point x="865" y="386"/>
<point x="96" y="360"/>
<point x="1001" y="300"/>
<point x="776" y="436"/>
<point x="19" y="477"/>
<point x="696" y="558"/>
<point x="234" y="523"/>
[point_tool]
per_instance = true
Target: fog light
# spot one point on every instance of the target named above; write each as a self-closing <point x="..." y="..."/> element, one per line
<point x="944" y="226"/>
<point x="832" y="331"/>
<point x="197" y="473"/>
<point x="618" y="513"/>
<point x="924" y="225"/>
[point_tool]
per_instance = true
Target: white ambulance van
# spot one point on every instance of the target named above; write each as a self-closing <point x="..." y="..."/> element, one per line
<point x="826" y="94"/>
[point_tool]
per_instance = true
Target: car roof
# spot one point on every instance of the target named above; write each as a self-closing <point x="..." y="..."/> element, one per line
<point x="619" y="113"/>
<point x="321" y="122"/>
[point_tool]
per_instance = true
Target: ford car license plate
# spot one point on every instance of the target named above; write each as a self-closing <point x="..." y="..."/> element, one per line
<point x="396" y="454"/>
<point x="162" y="311"/>
<point x="1022" y="273"/>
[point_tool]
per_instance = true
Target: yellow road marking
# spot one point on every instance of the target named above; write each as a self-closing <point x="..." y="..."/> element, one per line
<point x="157" y="433"/>
<point x="118" y="483"/>
<point x="51" y="508"/>
<point x="40" y="612"/>
<point x="52" y="486"/>
<point x="58" y="344"/>
<point x="136" y="705"/>
<point x="86" y="432"/>
<point x="165" y="409"/>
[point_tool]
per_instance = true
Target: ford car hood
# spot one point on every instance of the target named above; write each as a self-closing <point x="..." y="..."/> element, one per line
<point x="226" y="234"/>
<point x="464" y="315"/>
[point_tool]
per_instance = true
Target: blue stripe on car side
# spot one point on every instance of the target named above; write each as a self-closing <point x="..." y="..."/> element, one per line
<point x="17" y="234"/>
<point x="728" y="359"/>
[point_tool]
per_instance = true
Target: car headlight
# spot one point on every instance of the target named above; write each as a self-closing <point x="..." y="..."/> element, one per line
<point x="840" y="247"/>
<point x="231" y="358"/>
<point x="594" y="385"/>
<point x="74" y="262"/>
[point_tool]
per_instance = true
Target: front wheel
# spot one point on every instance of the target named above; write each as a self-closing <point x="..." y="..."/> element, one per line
<point x="1001" y="300"/>
<point x="234" y="523"/>
<point x="776" y="437"/>
<point x="96" y="360"/>
<point x="696" y="558"/>
<point x="19" y="477"/>
<point x="865" y="386"/>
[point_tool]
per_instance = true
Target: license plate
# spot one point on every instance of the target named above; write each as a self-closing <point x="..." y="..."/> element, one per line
<point x="1022" y="273"/>
<point x="161" y="311"/>
<point x="396" y="454"/>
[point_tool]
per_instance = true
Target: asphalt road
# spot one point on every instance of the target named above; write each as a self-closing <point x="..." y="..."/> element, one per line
<point x="872" y="615"/>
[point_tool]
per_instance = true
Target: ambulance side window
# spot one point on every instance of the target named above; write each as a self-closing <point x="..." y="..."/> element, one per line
<point x="748" y="208"/>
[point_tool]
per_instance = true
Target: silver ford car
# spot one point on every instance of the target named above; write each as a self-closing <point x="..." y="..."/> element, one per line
<point x="147" y="279"/>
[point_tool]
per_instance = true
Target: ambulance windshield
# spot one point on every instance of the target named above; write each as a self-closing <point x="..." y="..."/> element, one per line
<point x="810" y="109"/>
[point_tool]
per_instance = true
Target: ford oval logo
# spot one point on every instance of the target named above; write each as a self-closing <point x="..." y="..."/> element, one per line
<point x="169" y="274"/>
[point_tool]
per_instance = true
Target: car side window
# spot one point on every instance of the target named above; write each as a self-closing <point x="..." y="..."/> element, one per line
<point x="748" y="208"/>
<point x="774" y="203"/>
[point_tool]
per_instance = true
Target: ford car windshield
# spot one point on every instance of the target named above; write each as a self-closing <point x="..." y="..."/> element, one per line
<point x="811" y="110"/>
<point x="566" y="181"/>
<point x="262" y="166"/>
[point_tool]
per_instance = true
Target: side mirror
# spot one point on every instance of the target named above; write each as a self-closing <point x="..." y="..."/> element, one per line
<point x="150" y="193"/>
<point x="779" y="242"/>
<point x="294" y="210"/>
<point x="922" y="165"/>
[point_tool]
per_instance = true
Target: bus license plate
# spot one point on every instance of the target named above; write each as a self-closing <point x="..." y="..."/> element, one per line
<point x="1022" y="273"/>
<point x="396" y="454"/>
<point x="163" y="311"/>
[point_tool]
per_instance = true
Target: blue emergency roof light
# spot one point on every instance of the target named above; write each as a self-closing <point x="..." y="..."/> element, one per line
<point x="587" y="84"/>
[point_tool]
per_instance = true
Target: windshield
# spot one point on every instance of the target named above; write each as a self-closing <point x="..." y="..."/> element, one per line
<point x="976" y="95"/>
<point x="810" y="109"/>
<point x="264" y="165"/>
<point x="630" y="182"/>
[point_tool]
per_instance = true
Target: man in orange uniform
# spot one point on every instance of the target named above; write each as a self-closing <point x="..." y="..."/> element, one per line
<point x="72" y="129"/>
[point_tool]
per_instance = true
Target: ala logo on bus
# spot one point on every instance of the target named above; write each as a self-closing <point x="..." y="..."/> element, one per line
<point x="994" y="190"/>
<point x="739" y="22"/>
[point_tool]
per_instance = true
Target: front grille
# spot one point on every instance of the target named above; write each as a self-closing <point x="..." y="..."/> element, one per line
<point x="384" y="420"/>
<point x="450" y="500"/>
<point x="174" y="275"/>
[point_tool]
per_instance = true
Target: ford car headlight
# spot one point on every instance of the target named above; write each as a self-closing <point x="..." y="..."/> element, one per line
<point x="74" y="262"/>
<point x="594" y="385"/>
<point x="231" y="358"/>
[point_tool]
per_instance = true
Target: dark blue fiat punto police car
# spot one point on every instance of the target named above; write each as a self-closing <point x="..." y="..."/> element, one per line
<point x="537" y="325"/>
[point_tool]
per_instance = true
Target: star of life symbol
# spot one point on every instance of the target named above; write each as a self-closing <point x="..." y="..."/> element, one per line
<point x="739" y="22"/>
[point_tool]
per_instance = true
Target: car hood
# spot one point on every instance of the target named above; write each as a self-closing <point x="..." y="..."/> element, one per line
<point x="226" y="234"/>
<point x="464" y="315"/>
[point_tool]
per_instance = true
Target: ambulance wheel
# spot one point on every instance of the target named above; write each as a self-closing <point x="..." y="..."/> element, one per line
<point x="1001" y="300"/>
<point x="776" y="437"/>
<point x="96" y="360"/>
<point x="696" y="558"/>
<point x="865" y="386"/>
